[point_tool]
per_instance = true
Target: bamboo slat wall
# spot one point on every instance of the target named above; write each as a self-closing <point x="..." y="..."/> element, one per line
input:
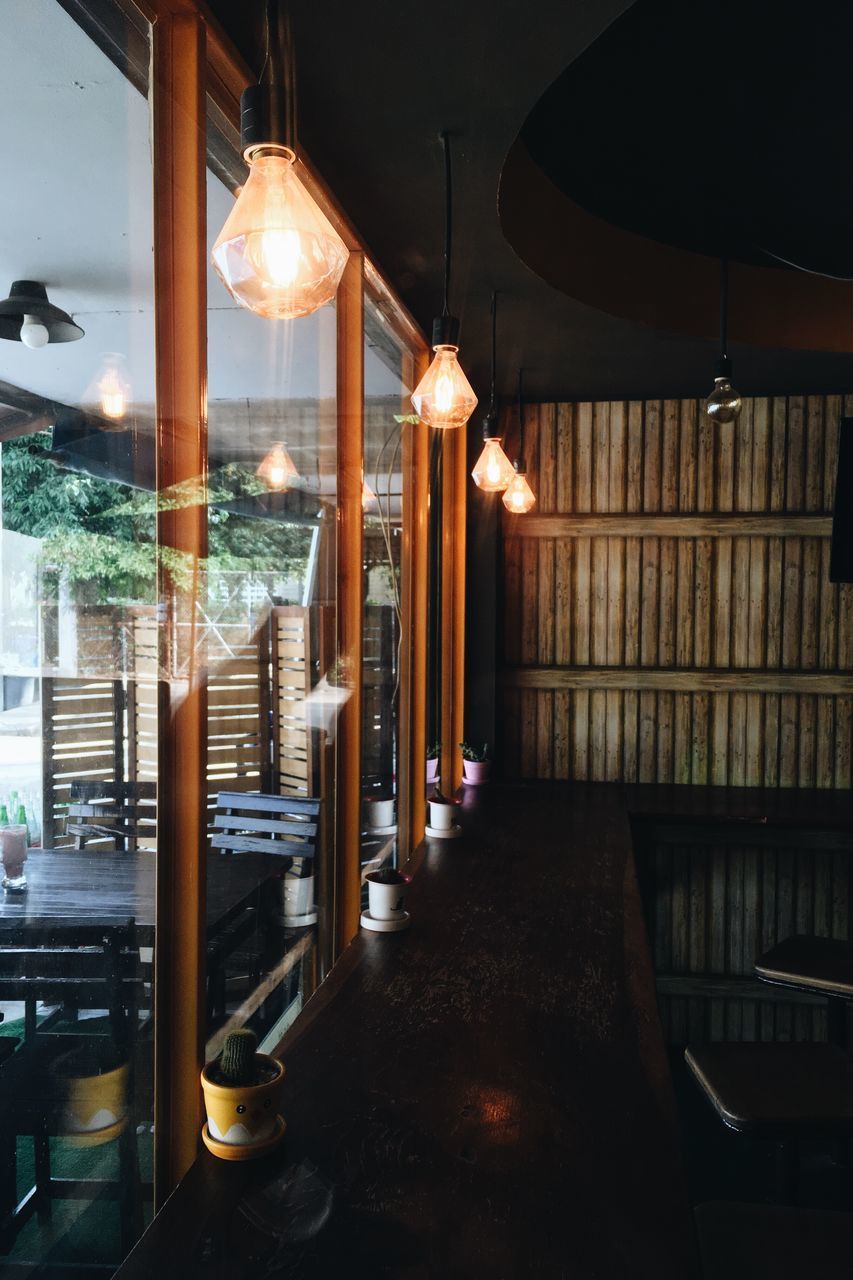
<point x="668" y="615"/>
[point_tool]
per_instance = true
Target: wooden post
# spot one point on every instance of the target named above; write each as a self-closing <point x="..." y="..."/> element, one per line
<point x="350" y="564"/>
<point x="452" y="591"/>
<point x="413" y="652"/>
<point x="178" y="109"/>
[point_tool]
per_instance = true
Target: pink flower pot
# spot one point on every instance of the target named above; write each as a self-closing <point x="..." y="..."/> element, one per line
<point x="432" y="772"/>
<point x="475" y="772"/>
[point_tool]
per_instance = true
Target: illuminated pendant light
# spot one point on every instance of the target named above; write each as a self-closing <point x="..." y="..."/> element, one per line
<point x="277" y="470"/>
<point x="444" y="397"/>
<point x="724" y="403"/>
<point x="493" y="469"/>
<point x="277" y="254"/>
<point x="518" y="496"/>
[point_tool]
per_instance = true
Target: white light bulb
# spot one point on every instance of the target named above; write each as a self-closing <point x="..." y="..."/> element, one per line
<point x="33" y="333"/>
<point x="276" y="256"/>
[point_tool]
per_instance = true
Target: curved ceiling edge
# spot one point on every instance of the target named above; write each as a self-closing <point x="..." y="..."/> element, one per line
<point x="627" y="275"/>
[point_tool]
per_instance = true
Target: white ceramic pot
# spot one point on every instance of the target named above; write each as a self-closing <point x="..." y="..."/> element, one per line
<point x="298" y="894"/>
<point x="379" y="813"/>
<point x="386" y="900"/>
<point x="441" y="814"/>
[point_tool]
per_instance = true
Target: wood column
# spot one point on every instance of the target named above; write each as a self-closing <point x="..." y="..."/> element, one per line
<point x="178" y="111"/>
<point x="413" y="654"/>
<point x="350" y="611"/>
<point x="452" y="588"/>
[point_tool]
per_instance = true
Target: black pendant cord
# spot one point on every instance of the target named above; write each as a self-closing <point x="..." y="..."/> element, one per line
<point x="724" y="308"/>
<point x="448" y="218"/>
<point x="492" y="406"/>
<point x="519" y="464"/>
<point x="268" y="109"/>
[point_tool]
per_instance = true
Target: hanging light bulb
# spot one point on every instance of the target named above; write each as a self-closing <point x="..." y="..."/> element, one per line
<point x="518" y="496"/>
<point x="277" y="470"/>
<point x="113" y="387"/>
<point x="444" y="397"/>
<point x="277" y="254"/>
<point x="33" y="333"/>
<point x="493" y="470"/>
<point x="28" y="316"/>
<point x="724" y="403"/>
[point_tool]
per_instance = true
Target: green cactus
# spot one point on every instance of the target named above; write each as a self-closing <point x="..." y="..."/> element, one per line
<point x="237" y="1063"/>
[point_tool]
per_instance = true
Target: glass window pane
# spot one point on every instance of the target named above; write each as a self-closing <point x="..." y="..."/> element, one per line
<point x="275" y="686"/>
<point x="388" y="382"/>
<point x="78" y="637"/>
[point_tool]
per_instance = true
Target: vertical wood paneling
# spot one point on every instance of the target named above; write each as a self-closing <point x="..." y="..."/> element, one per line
<point x="744" y="602"/>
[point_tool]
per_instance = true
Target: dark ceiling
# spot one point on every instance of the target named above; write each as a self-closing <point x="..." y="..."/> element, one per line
<point x="698" y="123"/>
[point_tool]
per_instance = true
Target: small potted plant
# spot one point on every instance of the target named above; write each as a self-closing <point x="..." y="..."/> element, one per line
<point x="432" y="755"/>
<point x="442" y="811"/>
<point x="242" y="1091"/>
<point x="296" y="890"/>
<point x="386" y="890"/>
<point x="475" y="764"/>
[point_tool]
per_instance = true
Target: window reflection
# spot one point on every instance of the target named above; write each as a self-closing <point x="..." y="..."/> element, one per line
<point x="78" y="649"/>
<point x="275" y="687"/>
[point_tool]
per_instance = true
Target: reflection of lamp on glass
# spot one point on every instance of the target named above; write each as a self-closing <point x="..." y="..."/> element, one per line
<point x="112" y="387"/>
<point x="27" y="316"/>
<point x="369" y="501"/>
<point x="444" y="397"/>
<point x="277" y="470"/>
<point x="518" y="496"/>
<point x="277" y="254"/>
<point x="493" y="469"/>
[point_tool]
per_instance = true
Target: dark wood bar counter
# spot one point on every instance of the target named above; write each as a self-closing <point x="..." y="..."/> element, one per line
<point x="487" y="1094"/>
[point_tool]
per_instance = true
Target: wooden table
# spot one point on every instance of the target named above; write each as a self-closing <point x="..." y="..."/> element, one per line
<point x="80" y="885"/>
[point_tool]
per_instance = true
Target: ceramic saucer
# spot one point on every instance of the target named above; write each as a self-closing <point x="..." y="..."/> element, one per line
<point x="445" y="833"/>
<point x="249" y="1151"/>
<point x="385" y="926"/>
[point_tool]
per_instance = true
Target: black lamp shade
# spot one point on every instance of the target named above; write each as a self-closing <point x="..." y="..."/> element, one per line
<point x="29" y="298"/>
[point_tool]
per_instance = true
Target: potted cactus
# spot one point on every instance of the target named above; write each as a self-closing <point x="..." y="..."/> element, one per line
<point x="475" y="764"/>
<point x="386" y="890"/>
<point x="432" y="755"/>
<point x="242" y="1091"/>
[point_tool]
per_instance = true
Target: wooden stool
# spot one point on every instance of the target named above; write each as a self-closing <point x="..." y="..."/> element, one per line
<point x="746" y="1241"/>
<point x="779" y="1092"/>
<point x="823" y="966"/>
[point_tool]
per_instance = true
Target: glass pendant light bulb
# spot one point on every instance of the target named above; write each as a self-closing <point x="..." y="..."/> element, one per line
<point x="33" y="333"/>
<point x="277" y="470"/>
<point x="493" y="470"/>
<point x="518" y="496"/>
<point x="724" y="403"/>
<point x="112" y="387"/>
<point x="444" y="397"/>
<point x="277" y="254"/>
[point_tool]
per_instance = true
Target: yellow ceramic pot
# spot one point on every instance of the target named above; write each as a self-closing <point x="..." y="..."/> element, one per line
<point x="96" y="1107"/>
<point x="241" y="1116"/>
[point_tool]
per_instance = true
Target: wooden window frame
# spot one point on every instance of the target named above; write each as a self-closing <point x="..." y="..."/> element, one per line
<point x="194" y="63"/>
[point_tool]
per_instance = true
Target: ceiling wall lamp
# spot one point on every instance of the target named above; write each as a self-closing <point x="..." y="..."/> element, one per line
<point x="444" y="397"/>
<point x="493" y="469"/>
<point x="724" y="403"/>
<point x="27" y="316"/>
<point x="518" y="496"/>
<point x="277" y="254"/>
<point x="277" y="469"/>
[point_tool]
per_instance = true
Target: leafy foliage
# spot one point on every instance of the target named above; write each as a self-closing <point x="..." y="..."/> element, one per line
<point x="102" y="534"/>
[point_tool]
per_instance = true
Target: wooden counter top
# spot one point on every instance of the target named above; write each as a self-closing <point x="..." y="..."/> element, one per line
<point x="488" y="1094"/>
